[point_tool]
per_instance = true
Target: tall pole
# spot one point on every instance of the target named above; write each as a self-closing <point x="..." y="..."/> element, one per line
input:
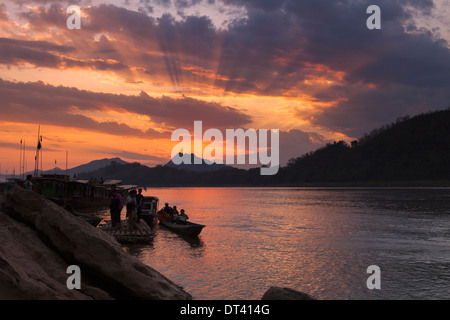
<point x="24" y="159"/>
<point x="40" y="151"/>
<point x="36" y="157"/>
<point x="20" y="162"/>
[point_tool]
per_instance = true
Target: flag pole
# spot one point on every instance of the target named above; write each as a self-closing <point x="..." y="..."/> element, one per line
<point x="20" y="162"/>
<point x="24" y="160"/>
<point x="40" y="151"/>
<point x="36" y="157"/>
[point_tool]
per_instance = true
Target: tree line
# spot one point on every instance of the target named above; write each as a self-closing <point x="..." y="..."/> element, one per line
<point x="411" y="149"/>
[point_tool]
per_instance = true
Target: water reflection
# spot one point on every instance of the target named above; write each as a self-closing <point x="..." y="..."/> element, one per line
<point x="320" y="241"/>
<point x="194" y="241"/>
<point x="137" y="250"/>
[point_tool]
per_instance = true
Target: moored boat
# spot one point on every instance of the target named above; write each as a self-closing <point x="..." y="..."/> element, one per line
<point x="79" y="194"/>
<point x="92" y="220"/>
<point x="189" y="228"/>
<point x="149" y="209"/>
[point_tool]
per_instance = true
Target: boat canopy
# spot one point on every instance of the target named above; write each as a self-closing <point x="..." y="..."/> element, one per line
<point x="82" y="181"/>
<point x="127" y="187"/>
<point x="111" y="182"/>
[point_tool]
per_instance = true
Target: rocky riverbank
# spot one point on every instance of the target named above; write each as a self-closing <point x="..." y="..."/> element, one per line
<point x="40" y="240"/>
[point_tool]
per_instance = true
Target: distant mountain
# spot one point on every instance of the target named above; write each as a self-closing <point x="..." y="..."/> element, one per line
<point x="196" y="164"/>
<point x="84" y="168"/>
<point x="409" y="152"/>
<point x="168" y="176"/>
<point x="95" y="165"/>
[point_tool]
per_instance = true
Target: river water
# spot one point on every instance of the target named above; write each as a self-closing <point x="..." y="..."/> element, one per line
<point x="316" y="240"/>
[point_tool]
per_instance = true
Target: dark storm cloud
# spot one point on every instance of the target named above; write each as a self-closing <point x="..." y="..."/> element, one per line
<point x="377" y="75"/>
<point x="334" y="33"/>
<point x="252" y="52"/>
<point x="268" y="52"/>
<point x="368" y="108"/>
<point x="161" y="47"/>
<point x="388" y="73"/>
<point x="36" y="45"/>
<point x="37" y="102"/>
<point x="15" y="51"/>
<point x="47" y="54"/>
<point x="417" y="61"/>
<point x="181" y="4"/>
<point x="294" y="143"/>
<point x="385" y="56"/>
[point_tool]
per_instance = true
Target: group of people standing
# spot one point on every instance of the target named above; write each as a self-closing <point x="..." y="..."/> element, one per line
<point x="133" y="204"/>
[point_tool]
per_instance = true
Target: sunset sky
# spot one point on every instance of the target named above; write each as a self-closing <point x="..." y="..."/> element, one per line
<point x="139" y="69"/>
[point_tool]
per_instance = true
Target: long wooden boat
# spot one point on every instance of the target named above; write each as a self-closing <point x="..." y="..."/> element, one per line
<point x="92" y="220"/>
<point x="189" y="228"/>
<point x="78" y="193"/>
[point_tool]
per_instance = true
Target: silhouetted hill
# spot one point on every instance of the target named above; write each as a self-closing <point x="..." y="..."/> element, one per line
<point x="96" y="164"/>
<point x="411" y="151"/>
<point x="87" y="167"/>
<point x="135" y="173"/>
<point x="204" y="165"/>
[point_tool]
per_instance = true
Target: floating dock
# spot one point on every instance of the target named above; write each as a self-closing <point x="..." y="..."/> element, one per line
<point x="142" y="233"/>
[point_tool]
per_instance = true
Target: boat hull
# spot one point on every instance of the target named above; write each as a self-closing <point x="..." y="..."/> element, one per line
<point x="92" y="220"/>
<point x="148" y="218"/>
<point x="190" y="228"/>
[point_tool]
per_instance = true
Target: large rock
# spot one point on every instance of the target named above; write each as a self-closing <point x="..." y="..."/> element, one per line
<point x="277" y="293"/>
<point x="29" y="269"/>
<point x="112" y="271"/>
